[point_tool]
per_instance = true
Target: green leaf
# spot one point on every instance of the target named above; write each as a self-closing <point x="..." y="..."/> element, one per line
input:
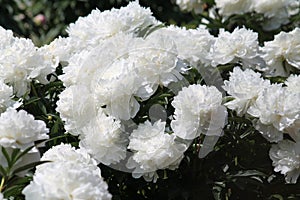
<point x="55" y="127"/>
<point x="29" y="166"/>
<point x="278" y="196"/>
<point x="15" y="154"/>
<point x="13" y="191"/>
<point x="249" y="173"/>
<point x="32" y="100"/>
<point x="6" y="156"/>
<point x="42" y="108"/>
<point x="2" y="171"/>
<point x="23" y="153"/>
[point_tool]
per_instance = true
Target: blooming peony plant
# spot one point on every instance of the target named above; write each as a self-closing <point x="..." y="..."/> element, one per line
<point x="127" y="107"/>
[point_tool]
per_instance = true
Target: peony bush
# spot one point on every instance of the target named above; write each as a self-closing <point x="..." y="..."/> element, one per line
<point x="129" y="107"/>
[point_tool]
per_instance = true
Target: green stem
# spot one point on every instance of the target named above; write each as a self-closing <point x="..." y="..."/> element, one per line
<point x="2" y="184"/>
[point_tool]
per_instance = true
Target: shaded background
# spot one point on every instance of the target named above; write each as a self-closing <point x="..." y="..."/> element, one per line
<point x="25" y="17"/>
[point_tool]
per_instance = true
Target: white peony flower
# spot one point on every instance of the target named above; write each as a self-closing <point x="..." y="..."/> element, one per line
<point x="281" y="54"/>
<point x="6" y="38"/>
<point x="67" y="153"/>
<point x="239" y="46"/>
<point x="277" y="12"/>
<point x="244" y="87"/>
<point x="198" y="110"/>
<point x="118" y="94"/>
<point x="157" y="60"/>
<point x="15" y="63"/>
<point x="77" y="70"/>
<point x="18" y="129"/>
<point x="61" y="49"/>
<point x="76" y="107"/>
<point x="135" y="18"/>
<point x="269" y="102"/>
<point x="153" y="149"/>
<point x="91" y="30"/>
<point x="66" y="180"/>
<point x="88" y="66"/>
<point x="286" y="159"/>
<point x="134" y="70"/>
<point x="104" y="139"/>
<point x="21" y="62"/>
<point x="76" y="176"/>
<point x="277" y="107"/>
<point x="276" y="7"/>
<point x="190" y="5"/>
<point x="268" y="131"/>
<point x="193" y="45"/>
<point x="109" y="75"/>
<point x="293" y="83"/>
<point x="230" y="7"/>
<point x="46" y="66"/>
<point x="294" y="130"/>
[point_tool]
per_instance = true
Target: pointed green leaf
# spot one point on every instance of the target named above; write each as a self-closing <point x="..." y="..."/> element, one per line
<point x="2" y="171"/>
<point x="6" y="156"/>
<point x="29" y="166"/>
<point x="23" y="153"/>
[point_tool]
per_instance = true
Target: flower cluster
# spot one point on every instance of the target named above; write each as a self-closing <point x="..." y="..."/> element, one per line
<point x="275" y="58"/>
<point x="276" y="109"/>
<point x="108" y="80"/>
<point x="21" y="64"/>
<point x="117" y="72"/>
